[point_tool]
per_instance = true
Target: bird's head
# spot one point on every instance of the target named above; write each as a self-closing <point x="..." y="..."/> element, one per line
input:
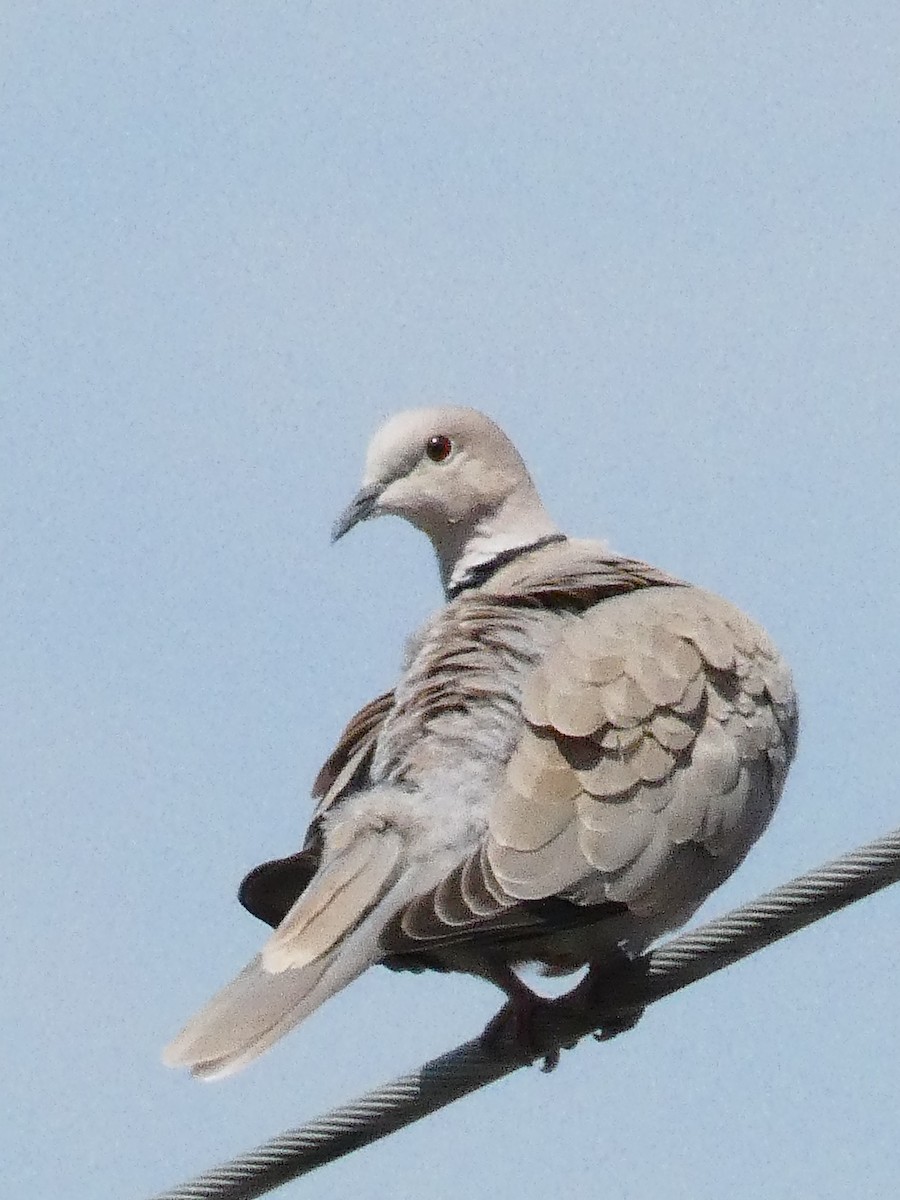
<point x="454" y="474"/>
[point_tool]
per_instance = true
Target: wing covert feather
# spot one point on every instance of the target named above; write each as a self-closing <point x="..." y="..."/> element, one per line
<point x="659" y="729"/>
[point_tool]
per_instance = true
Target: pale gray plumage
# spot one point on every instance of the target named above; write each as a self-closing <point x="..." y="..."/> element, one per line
<point x="578" y="750"/>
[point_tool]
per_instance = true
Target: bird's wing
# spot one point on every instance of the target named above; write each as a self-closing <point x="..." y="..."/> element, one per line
<point x="656" y="738"/>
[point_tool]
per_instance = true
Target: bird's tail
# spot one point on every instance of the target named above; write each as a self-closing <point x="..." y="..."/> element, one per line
<point x="328" y="938"/>
<point x="246" y="1017"/>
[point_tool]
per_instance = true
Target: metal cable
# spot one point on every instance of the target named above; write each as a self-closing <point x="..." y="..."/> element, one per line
<point x="676" y="963"/>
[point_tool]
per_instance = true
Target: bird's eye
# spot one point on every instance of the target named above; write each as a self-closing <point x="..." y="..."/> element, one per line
<point x="438" y="448"/>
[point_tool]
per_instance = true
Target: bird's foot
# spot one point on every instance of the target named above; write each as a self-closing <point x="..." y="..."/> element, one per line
<point x="589" y="996"/>
<point x="523" y="1029"/>
<point x="616" y="1025"/>
<point x="529" y="1026"/>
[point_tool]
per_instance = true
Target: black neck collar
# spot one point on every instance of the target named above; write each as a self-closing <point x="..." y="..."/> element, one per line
<point x="481" y="573"/>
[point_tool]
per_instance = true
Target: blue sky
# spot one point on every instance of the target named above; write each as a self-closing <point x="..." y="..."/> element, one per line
<point x="659" y="244"/>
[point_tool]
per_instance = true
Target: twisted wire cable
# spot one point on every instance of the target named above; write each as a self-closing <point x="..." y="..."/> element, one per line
<point x="674" y="965"/>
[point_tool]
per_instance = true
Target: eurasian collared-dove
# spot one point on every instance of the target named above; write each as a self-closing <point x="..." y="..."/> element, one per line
<point x="578" y="750"/>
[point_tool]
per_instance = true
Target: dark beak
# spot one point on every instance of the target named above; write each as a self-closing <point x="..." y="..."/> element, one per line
<point x="362" y="505"/>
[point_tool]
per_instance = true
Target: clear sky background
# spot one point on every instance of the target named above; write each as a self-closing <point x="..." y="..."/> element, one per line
<point x="659" y="243"/>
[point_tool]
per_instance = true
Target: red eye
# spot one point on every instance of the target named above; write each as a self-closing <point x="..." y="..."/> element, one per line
<point x="438" y="448"/>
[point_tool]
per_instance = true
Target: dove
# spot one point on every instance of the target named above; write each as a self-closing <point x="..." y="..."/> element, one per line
<point x="578" y="750"/>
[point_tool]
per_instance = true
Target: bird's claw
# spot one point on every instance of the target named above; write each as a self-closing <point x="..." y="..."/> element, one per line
<point x="616" y="1025"/>
<point x="514" y="1033"/>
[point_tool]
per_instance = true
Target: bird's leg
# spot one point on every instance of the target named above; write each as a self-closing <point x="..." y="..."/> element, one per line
<point x="523" y="1023"/>
<point x="514" y="1028"/>
<point x="595" y="988"/>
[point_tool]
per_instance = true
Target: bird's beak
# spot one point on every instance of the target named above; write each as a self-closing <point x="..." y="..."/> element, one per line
<point x="363" y="505"/>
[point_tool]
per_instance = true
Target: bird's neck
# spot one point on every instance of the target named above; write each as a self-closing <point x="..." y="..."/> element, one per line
<point x="463" y="554"/>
